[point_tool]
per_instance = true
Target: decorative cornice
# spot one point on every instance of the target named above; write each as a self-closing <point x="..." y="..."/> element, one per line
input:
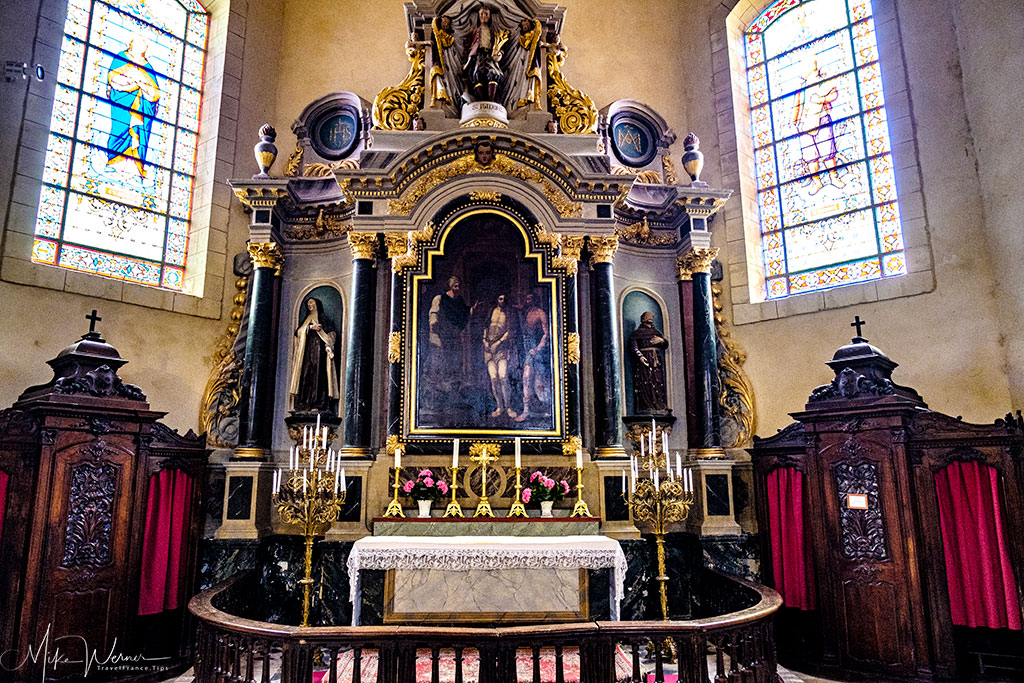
<point x="415" y="239"/>
<point x="572" y="348"/>
<point x="266" y="255"/>
<point x="363" y="244"/>
<point x="259" y="197"/>
<point x="602" y="248"/>
<point x="326" y="226"/>
<point x="640" y="233"/>
<point x="696" y="260"/>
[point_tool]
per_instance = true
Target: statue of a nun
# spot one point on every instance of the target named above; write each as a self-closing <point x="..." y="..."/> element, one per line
<point x="314" y="376"/>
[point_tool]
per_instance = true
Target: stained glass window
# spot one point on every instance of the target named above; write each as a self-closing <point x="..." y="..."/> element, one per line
<point x="825" y="184"/>
<point x="121" y="156"/>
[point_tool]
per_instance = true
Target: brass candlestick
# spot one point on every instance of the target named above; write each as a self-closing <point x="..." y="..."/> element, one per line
<point x="482" y="453"/>
<point x="454" y="509"/>
<point x="518" y="509"/>
<point x="580" y="509"/>
<point x="394" y="507"/>
<point x="310" y="499"/>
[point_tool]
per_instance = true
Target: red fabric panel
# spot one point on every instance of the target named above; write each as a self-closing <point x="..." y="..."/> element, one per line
<point x="786" y="528"/>
<point x="3" y="502"/>
<point x="982" y="590"/>
<point x="168" y="510"/>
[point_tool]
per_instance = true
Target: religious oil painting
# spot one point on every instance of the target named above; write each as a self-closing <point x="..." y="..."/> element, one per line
<point x="121" y="155"/>
<point x="486" y="354"/>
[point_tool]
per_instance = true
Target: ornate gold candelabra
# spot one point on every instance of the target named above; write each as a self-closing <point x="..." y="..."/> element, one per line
<point x="394" y="507"/>
<point x="310" y="494"/>
<point x="656" y="504"/>
<point x="454" y="509"/>
<point x="483" y="453"/>
<point x="580" y="509"/>
<point x="518" y="509"/>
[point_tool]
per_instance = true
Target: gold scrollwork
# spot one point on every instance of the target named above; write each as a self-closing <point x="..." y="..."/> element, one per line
<point x="391" y="444"/>
<point x="485" y="196"/>
<point x="266" y="255"/>
<point x="223" y="389"/>
<point x="483" y="123"/>
<point x="396" y="106"/>
<point x="572" y="348"/>
<point x="670" y="170"/>
<point x="574" y="110"/>
<point x="572" y="444"/>
<point x="737" y="394"/>
<point x="696" y="260"/>
<point x="291" y="167"/>
<point x="363" y="244"/>
<point x="259" y="197"/>
<point x="545" y="236"/>
<point x="395" y="347"/>
<point x="395" y="244"/>
<point x="602" y="248"/>
<point x="467" y="164"/>
<point x="640" y="233"/>
<point x="326" y="226"/>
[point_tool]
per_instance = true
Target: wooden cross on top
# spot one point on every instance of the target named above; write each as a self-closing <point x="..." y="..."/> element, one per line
<point x="93" y="319"/>
<point x="858" y="323"/>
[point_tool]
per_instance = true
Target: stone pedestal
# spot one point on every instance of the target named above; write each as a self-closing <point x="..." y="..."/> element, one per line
<point x="246" y="511"/>
<point x="488" y="114"/>
<point x="713" y="513"/>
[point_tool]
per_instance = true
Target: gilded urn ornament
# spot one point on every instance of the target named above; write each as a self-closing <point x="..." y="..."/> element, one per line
<point x="265" y="150"/>
<point x="693" y="159"/>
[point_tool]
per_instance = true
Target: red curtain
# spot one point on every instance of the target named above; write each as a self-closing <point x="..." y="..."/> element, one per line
<point x="982" y="590"/>
<point x="168" y="512"/>
<point x="786" y="528"/>
<point x="3" y="502"/>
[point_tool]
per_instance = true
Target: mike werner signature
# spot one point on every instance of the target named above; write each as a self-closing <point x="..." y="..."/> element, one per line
<point x="49" y="653"/>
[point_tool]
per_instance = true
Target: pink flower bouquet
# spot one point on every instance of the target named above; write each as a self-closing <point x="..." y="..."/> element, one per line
<point x="541" y="487"/>
<point x="425" y="487"/>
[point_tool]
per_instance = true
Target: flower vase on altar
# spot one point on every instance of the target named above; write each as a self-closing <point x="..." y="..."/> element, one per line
<point x="424" y="507"/>
<point x="544" y="490"/>
<point x="545" y="508"/>
<point x="425" y="489"/>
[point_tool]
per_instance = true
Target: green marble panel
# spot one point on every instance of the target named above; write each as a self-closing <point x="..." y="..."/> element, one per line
<point x="485" y="527"/>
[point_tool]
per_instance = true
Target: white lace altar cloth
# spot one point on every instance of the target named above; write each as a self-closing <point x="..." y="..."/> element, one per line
<point x="462" y="553"/>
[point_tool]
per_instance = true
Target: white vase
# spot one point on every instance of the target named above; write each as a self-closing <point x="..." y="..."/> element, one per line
<point x="424" y="506"/>
<point x="545" y="508"/>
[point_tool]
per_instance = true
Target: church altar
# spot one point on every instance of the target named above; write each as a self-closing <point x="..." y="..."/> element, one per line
<point x="524" y="576"/>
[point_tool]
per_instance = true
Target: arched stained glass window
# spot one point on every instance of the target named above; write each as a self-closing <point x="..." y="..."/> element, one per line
<point x="825" y="185"/>
<point x="121" y="156"/>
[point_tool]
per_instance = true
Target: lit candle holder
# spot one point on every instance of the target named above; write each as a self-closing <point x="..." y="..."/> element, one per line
<point x="394" y="507"/>
<point x="580" y="509"/>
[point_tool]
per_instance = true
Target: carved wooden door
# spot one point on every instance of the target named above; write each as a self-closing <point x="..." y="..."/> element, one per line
<point x="868" y="521"/>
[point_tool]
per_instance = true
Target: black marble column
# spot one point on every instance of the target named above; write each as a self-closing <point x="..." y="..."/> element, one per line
<point x="571" y="247"/>
<point x="256" y="410"/>
<point x="359" y="358"/>
<point x="607" y="368"/>
<point x="697" y="261"/>
<point x="396" y="246"/>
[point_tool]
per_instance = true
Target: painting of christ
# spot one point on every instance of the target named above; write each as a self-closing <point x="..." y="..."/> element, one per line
<point x="486" y="349"/>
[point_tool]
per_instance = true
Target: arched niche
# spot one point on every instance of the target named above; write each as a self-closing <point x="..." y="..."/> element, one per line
<point x="635" y="301"/>
<point x="330" y="299"/>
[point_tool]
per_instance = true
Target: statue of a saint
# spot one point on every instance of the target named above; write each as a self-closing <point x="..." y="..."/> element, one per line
<point x="314" y="375"/>
<point x="443" y="39"/>
<point x="646" y="345"/>
<point x="484" y="44"/>
<point x="529" y="38"/>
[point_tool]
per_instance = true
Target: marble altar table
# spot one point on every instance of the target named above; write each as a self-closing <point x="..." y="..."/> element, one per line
<point x="486" y="578"/>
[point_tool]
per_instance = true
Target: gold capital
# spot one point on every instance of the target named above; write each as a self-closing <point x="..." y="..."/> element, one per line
<point x="396" y="244"/>
<point x="696" y="260"/>
<point x="363" y="244"/>
<point x="602" y="248"/>
<point x="572" y="246"/>
<point x="395" y="347"/>
<point x="266" y="255"/>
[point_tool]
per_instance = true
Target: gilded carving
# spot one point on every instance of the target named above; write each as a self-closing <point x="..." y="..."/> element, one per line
<point x="485" y="196"/>
<point x="217" y="410"/>
<point x="574" y="110"/>
<point x="326" y="226"/>
<point x="737" y="393"/>
<point x="640" y="233"/>
<point x="363" y="244"/>
<point x="291" y="167"/>
<point x="266" y="255"/>
<point x="483" y="123"/>
<point x="568" y="259"/>
<point x="545" y="236"/>
<point x="258" y="197"/>
<point x="602" y="248"/>
<point x="395" y="347"/>
<point x="572" y="348"/>
<point x="391" y="444"/>
<point x="467" y="164"/>
<point x="395" y="107"/>
<point x="395" y="244"/>
<point x="670" y="170"/>
<point x="696" y="260"/>
<point x="571" y="445"/>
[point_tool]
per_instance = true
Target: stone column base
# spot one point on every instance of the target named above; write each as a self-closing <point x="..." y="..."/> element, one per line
<point x="713" y="513"/>
<point x="246" y="512"/>
<point x="610" y="490"/>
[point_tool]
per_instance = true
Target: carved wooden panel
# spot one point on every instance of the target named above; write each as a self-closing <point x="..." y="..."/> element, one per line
<point x="87" y="536"/>
<point x="862" y="531"/>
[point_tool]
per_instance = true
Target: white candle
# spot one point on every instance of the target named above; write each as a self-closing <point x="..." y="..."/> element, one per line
<point x="335" y="485"/>
<point x="455" y="453"/>
<point x="325" y="434"/>
<point x="642" y="452"/>
<point x="664" y="443"/>
<point x="519" y="452"/>
<point x="579" y="459"/>
<point x="653" y="428"/>
<point x="305" y="435"/>
<point x="398" y="458"/>
<point x="623" y="481"/>
<point x="318" y="422"/>
<point x="689" y="480"/>
<point x="679" y="465"/>
<point x="344" y="484"/>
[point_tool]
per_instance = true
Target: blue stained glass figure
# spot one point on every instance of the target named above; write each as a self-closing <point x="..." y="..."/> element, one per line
<point x="132" y="85"/>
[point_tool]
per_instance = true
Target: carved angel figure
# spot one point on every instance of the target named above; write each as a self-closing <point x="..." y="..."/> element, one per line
<point x="443" y="39"/>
